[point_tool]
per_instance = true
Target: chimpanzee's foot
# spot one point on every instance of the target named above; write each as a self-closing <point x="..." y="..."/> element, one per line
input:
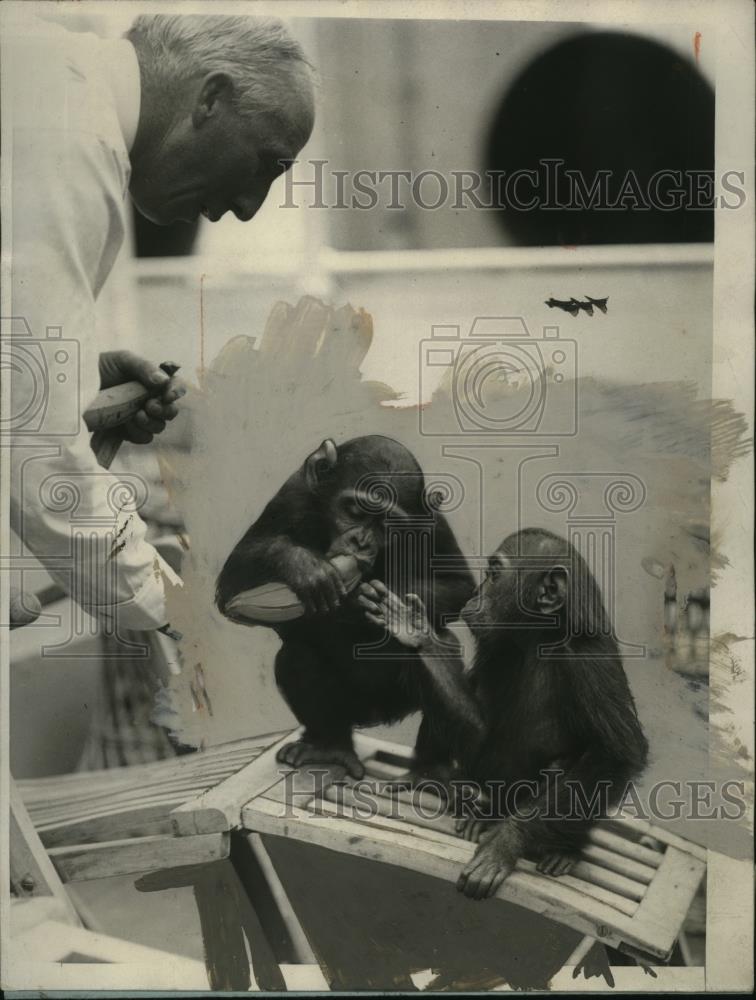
<point x="303" y="752"/>
<point x="556" y="864"/>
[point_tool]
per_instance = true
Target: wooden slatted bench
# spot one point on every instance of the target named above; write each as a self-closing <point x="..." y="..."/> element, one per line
<point x="97" y="824"/>
<point x="631" y="889"/>
<point x="118" y="821"/>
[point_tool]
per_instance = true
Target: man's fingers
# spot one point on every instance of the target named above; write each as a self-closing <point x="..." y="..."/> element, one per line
<point x="147" y="423"/>
<point x="154" y="408"/>
<point x="144" y="371"/>
<point x="136" y="434"/>
<point x="369" y="605"/>
<point x="160" y="411"/>
<point x="375" y="619"/>
<point x="369" y="591"/>
<point x="174" y="389"/>
<point x="380" y="587"/>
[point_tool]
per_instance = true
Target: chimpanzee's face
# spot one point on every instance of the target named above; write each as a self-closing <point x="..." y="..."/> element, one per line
<point x="355" y="492"/>
<point x="356" y="527"/>
<point x="515" y="595"/>
<point x="496" y="597"/>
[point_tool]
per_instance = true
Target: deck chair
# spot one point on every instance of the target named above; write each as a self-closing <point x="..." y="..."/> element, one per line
<point x="631" y="889"/>
<point x="47" y="924"/>
<point x="118" y="821"/>
<point x="172" y="820"/>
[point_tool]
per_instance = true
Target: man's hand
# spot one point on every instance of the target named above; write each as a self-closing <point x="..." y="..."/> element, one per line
<point x="124" y="366"/>
<point x="406" y="620"/>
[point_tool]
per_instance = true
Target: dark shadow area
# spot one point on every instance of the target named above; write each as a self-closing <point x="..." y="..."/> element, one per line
<point x="175" y="240"/>
<point x="613" y="103"/>
<point x="372" y="925"/>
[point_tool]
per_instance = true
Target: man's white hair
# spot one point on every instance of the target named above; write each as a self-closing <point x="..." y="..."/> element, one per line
<point x="257" y="53"/>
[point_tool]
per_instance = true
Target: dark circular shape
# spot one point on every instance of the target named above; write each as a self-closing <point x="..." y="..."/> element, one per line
<point x="611" y="102"/>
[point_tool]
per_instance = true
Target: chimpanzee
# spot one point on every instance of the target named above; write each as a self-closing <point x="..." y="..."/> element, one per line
<point x="340" y="502"/>
<point x="525" y="713"/>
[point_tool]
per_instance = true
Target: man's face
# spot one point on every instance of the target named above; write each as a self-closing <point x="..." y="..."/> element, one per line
<point x="214" y="160"/>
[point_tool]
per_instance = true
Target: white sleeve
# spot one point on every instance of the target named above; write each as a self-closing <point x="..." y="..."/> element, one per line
<point x="80" y="521"/>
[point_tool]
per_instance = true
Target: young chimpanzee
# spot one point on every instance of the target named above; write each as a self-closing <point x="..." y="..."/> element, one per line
<point x="522" y="713"/>
<point x="343" y="501"/>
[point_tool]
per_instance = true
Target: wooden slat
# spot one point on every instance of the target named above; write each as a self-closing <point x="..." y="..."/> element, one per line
<point x="640" y="827"/>
<point x="549" y="896"/>
<point x="668" y="898"/>
<point x="590" y="889"/>
<point x="128" y="857"/>
<point x="31" y="871"/>
<point x="126" y="799"/>
<point x="107" y="778"/>
<point x="423" y="801"/>
<point x="299" y="786"/>
<point x="303" y="953"/>
<point x="363" y="825"/>
<point x="147" y="821"/>
<point x="602" y="837"/>
<point x="576" y="957"/>
<point x="370" y="746"/>
<point x="327" y="806"/>
<point x="375" y="768"/>
<point x="192" y="782"/>
<point x="395" y="807"/>
<point x="219" y="808"/>
<point x="609" y="880"/>
<point x="617" y="863"/>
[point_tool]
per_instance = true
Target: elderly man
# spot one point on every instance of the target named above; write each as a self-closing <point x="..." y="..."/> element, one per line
<point x="188" y="114"/>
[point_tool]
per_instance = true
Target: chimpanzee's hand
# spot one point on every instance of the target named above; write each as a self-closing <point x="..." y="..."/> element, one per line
<point x="494" y="859"/>
<point x="315" y="581"/>
<point x="124" y="366"/>
<point x="406" y="620"/>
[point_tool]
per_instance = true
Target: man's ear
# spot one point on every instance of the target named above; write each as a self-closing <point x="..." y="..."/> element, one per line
<point x="320" y="462"/>
<point x="216" y="88"/>
<point x="552" y="591"/>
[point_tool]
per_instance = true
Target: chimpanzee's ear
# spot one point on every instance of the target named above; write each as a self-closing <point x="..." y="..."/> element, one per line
<point x="498" y="561"/>
<point x="319" y="462"/>
<point x="552" y="591"/>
